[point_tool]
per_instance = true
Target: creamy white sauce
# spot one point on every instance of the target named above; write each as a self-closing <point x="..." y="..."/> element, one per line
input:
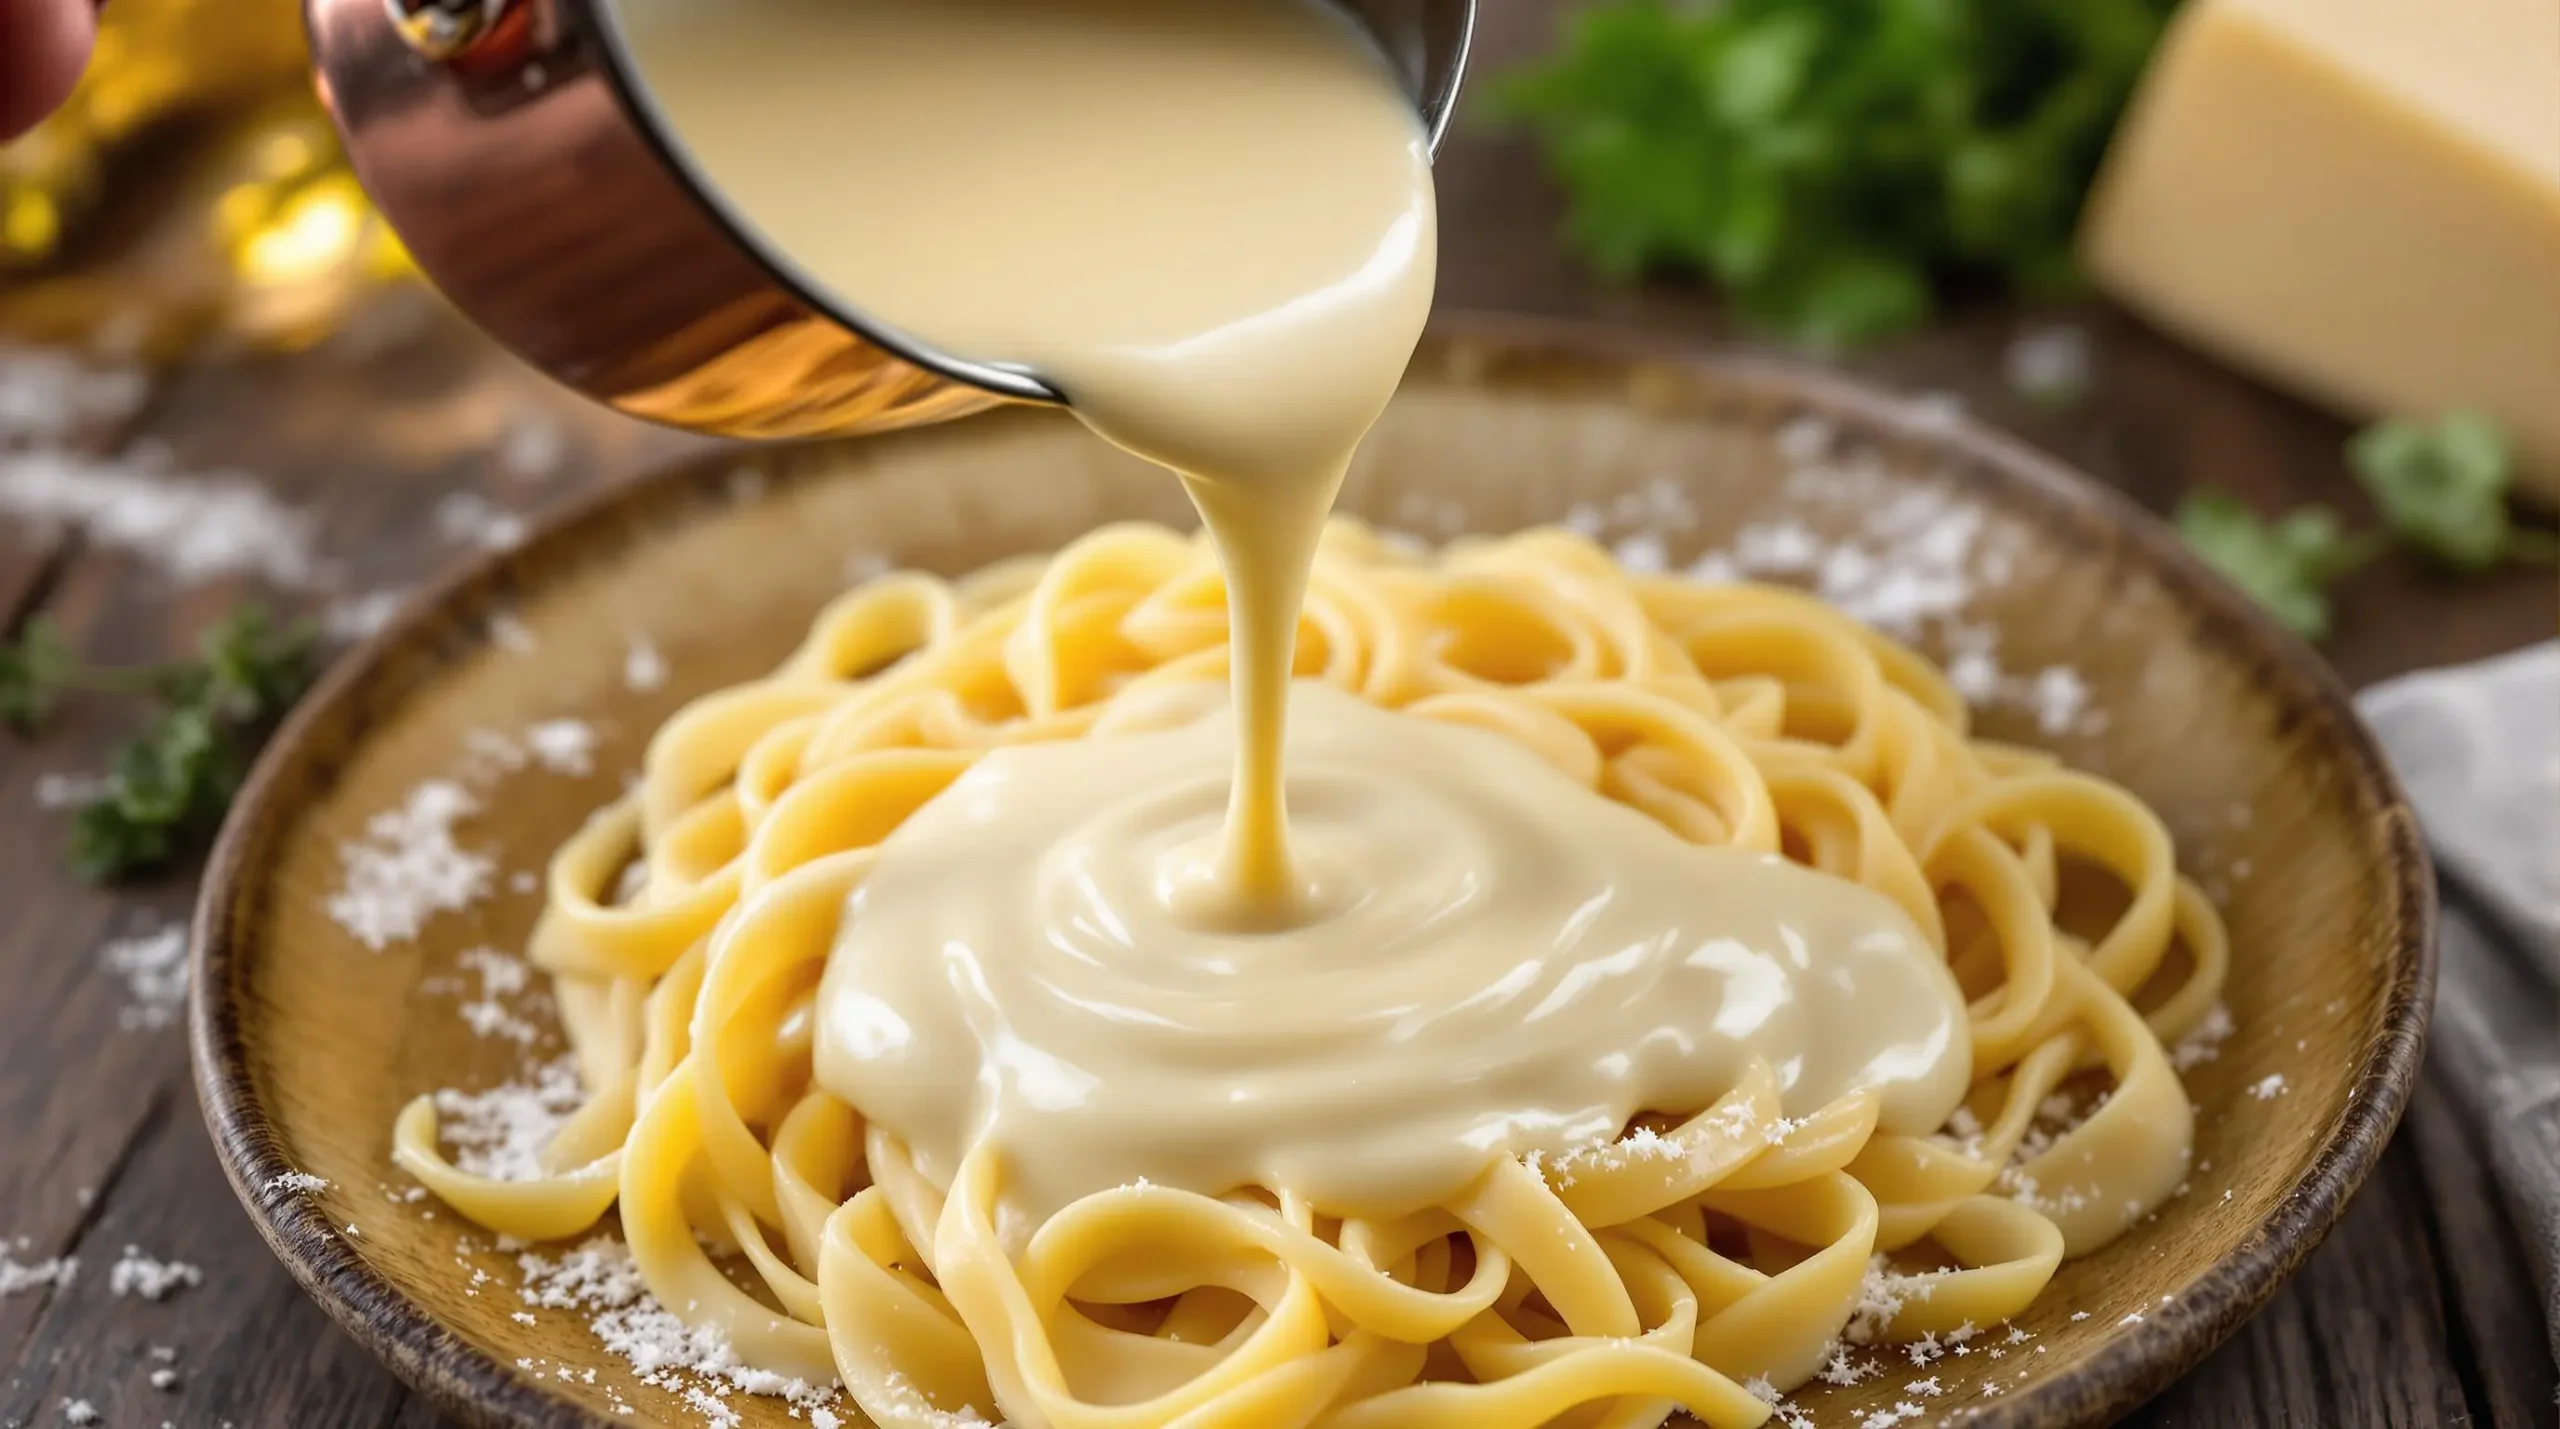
<point x="1210" y="224"/>
<point x="1498" y="961"/>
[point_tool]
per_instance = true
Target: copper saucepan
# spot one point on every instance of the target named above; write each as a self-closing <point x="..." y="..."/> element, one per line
<point x="514" y="149"/>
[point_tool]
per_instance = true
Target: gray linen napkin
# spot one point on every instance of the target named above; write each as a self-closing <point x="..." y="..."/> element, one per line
<point x="2478" y="748"/>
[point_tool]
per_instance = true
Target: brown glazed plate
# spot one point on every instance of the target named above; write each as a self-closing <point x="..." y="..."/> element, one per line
<point x="306" y="1043"/>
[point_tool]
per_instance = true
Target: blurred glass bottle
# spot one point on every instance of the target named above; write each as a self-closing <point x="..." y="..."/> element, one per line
<point x="254" y="229"/>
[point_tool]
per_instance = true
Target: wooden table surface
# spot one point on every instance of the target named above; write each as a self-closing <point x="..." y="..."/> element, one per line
<point x="2417" y="1312"/>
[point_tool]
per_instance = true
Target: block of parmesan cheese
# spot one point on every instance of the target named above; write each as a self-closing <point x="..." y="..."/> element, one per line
<point x="2357" y="200"/>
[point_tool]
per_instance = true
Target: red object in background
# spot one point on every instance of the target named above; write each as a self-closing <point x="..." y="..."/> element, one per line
<point x="43" y="45"/>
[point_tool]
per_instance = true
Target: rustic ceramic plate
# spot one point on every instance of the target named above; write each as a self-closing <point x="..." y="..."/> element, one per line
<point x="2083" y="622"/>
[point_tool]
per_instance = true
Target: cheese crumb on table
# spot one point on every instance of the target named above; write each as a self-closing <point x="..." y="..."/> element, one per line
<point x="153" y="966"/>
<point x="190" y="527"/>
<point x="140" y="1274"/>
<point x="50" y="1274"/>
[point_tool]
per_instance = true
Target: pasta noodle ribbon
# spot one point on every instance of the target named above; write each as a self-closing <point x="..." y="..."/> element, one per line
<point x="688" y="926"/>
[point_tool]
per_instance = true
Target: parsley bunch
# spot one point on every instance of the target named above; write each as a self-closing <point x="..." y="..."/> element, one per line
<point x="2440" y="485"/>
<point x="1831" y="164"/>
<point x="166" y="789"/>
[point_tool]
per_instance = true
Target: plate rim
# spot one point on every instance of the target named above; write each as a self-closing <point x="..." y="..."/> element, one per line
<point x="479" y="1390"/>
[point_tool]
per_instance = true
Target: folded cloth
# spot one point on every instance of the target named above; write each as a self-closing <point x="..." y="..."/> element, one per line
<point x="2478" y="749"/>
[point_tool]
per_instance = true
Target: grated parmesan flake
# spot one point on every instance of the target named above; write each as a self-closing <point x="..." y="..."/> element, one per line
<point x="1911" y="560"/>
<point x="153" y="966"/>
<point x="500" y="1133"/>
<point x="52" y="1274"/>
<point x="643" y="668"/>
<point x="139" y="1274"/>
<point x="407" y="868"/>
<point x="490" y="1012"/>
<point x="2049" y="364"/>
<point x="193" y="528"/>
<point x="49" y="397"/>
<point x="696" y="1364"/>
<point x="2204" y="1042"/>
<point x="563" y="746"/>
<point x="468" y="518"/>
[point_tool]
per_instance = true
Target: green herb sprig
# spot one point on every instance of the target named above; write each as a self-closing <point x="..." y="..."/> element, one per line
<point x="2440" y="486"/>
<point x="2287" y="565"/>
<point x="167" y="787"/>
<point x="1832" y="165"/>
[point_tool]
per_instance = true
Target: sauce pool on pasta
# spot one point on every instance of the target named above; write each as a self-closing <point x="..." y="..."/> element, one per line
<point x="1699" y="1248"/>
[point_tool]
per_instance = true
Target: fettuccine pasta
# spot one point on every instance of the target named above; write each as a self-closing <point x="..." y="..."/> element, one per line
<point x="1708" y="1246"/>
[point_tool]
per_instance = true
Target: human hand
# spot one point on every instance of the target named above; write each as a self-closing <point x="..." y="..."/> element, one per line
<point x="43" y="45"/>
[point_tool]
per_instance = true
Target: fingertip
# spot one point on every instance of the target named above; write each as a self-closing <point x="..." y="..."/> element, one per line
<point x="44" y="45"/>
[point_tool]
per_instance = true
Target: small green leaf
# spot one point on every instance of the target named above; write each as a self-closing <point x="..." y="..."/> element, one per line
<point x="2441" y="486"/>
<point x="1851" y="298"/>
<point x="34" y="669"/>
<point x="168" y="787"/>
<point x="2286" y="565"/>
<point x="1760" y="71"/>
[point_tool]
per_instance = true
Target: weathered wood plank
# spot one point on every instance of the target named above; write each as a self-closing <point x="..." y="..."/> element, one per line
<point x="107" y="1146"/>
<point x="2495" y="1316"/>
<point x="246" y="1347"/>
<point x="2358" y="1338"/>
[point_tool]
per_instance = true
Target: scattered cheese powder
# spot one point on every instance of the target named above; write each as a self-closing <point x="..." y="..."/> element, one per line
<point x="643" y="668"/>
<point x="532" y="447"/>
<point x="139" y="1274"/>
<point x="79" y="1411"/>
<point x="153" y="966"/>
<point x="1881" y="1296"/>
<point x="2049" y="364"/>
<point x="17" y="1279"/>
<point x="193" y="527"/>
<point x="407" y="868"/>
<point x="697" y="1365"/>
<point x="563" y="746"/>
<point x="500" y="1133"/>
<point x="49" y="397"/>
<point x="468" y="518"/>
<point x="490" y="1013"/>
<point x="358" y="617"/>
<point x="71" y="791"/>
<point x="2204" y="1042"/>
<point x="1912" y="560"/>
<point x="2268" y="1087"/>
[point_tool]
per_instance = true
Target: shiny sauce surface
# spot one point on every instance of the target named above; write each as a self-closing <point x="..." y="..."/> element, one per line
<point x="1158" y="954"/>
